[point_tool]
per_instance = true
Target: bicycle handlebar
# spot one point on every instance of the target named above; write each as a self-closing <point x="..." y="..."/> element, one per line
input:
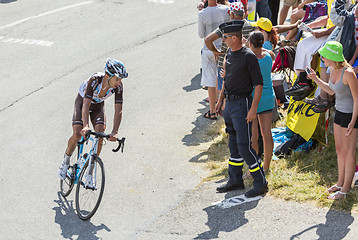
<point x="103" y="135"/>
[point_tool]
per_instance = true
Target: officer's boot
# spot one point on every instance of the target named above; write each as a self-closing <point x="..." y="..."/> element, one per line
<point x="235" y="179"/>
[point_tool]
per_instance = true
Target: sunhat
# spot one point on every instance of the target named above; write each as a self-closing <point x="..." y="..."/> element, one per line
<point x="332" y="50"/>
<point x="235" y="6"/>
<point x="263" y="23"/>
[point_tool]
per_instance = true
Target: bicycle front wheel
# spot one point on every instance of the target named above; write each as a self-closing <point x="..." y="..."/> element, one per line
<point x="89" y="193"/>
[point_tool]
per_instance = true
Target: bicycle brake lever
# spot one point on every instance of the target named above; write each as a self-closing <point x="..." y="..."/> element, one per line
<point x="121" y="144"/>
<point x="88" y="134"/>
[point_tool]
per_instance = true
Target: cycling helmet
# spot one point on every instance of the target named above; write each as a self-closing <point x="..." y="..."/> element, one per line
<point x="116" y="68"/>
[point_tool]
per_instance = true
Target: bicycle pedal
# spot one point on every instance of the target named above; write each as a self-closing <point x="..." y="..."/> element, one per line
<point x="87" y="187"/>
<point x="92" y="188"/>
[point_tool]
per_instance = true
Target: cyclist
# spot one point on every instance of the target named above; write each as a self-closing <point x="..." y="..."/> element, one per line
<point x="89" y="103"/>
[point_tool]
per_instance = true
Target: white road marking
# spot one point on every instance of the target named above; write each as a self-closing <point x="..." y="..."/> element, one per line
<point x="162" y="1"/>
<point x="26" y="41"/>
<point x="43" y="14"/>
<point x="237" y="200"/>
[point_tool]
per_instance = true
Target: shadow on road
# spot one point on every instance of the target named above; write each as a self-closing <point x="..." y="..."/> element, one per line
<point x="195" y="84"/>
<point x="205" y="130"/>
<point x="226" y="219"/>
<point x="71" y="226"/>
<point x="336" y="225"/>
<point x="7" y="1"/>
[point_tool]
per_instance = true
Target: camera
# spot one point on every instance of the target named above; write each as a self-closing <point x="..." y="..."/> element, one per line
<point x="308" y="71"/>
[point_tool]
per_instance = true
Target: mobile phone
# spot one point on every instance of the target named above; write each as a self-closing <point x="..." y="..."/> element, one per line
<point x="308" y="71"/>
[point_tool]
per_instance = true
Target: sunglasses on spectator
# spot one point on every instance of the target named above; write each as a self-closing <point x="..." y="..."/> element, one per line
<point x="226" y="36"/>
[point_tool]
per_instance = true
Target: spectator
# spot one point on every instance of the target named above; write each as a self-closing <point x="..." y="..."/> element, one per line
<point x="354" y="59"/>
<point x="223" y="2"/>
<point x="264" y="25"/>
<point x="209" y="19"/>
<point x="299" y="14"/>
<point x="344" y="17"/>
<point x="343" y="83"/>
<point x="244" y="2"/>
<point x="236" y="13"/>
<point x="202" y="4"/>
<point x="267" y="100"/>
<point x="263" y="9"/>
<point x="305" y="49"/>
<point x="286" y="6"/>
<point x="274" y="7"/>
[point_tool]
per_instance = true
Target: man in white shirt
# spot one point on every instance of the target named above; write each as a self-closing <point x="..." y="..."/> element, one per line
<point x="208" y="20"/>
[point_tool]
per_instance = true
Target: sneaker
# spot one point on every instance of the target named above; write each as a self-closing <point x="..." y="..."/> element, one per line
<point x="323" y="108"/>
<point x="62" y="172"/>
<point x="315" y="101"/>
<point x="320" y="102"/>
<point x="298" y="89"/>
<point x="89" y="181"/>
<point x="256" y="191"/>
<point x="319" y="109"/>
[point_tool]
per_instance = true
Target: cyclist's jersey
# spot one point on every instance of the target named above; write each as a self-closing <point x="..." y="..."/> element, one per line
<point x="92" y="87"/>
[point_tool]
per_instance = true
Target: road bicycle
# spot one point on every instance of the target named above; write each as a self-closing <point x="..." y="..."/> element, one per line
<point x="87" y="171"/>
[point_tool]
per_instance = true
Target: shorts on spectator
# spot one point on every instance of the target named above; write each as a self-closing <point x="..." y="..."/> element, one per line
<point x="343" y="119"/>
<point x="293" y="3"/>
<point x="266" y="111"/>
<point x="209" y="67"/>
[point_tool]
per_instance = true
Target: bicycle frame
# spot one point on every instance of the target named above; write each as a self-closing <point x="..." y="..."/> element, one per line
<point x="81" y="160"/>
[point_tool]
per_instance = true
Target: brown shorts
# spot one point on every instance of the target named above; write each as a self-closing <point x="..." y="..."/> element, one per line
<point x="96" y="113"/>
<point x="293" y="3"/>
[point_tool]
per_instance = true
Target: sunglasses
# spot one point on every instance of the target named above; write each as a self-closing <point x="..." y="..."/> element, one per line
<point x="226" y="36"/>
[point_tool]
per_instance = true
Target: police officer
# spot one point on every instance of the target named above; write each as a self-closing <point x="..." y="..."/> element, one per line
<point x="242" y="75"/>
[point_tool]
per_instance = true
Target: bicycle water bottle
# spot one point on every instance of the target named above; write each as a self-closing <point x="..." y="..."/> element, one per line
<point x="78" y="166"/>
<point x="251" y="8"/>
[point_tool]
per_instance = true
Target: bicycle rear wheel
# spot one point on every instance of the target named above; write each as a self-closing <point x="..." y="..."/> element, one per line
<point x="88" y="198"/>
<point x="66" y="185"/>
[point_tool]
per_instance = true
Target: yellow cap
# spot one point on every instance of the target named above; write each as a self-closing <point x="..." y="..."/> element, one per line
<point x="263" y="23"/>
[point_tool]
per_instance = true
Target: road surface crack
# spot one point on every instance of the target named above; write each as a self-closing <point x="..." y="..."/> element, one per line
<point x="101" y="57"/>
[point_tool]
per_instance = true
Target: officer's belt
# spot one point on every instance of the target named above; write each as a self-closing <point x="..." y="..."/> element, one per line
<point x="232" y="97"/>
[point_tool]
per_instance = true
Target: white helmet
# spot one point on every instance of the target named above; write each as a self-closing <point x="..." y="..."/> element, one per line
<point x="116" y="68"/>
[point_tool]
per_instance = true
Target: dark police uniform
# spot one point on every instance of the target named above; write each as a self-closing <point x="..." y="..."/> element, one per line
<point x="242" y="74"/>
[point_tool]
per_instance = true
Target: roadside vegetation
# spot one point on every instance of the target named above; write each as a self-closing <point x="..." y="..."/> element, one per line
<point x="301" y="177"/>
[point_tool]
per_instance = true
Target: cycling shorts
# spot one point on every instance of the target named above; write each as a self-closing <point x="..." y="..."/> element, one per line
<point x="96" y="113"/>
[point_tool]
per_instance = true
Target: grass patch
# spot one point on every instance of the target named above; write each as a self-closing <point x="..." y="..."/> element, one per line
<point x="302" y="177"/>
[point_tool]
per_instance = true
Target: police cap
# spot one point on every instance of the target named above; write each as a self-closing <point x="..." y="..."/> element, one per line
<point x="231" y="26"/>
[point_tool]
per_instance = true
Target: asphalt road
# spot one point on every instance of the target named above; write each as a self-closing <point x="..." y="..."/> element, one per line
<point x="153" y="190"/>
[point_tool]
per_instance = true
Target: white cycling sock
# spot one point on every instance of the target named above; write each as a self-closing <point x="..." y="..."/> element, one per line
<point x="66" y="160"/>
